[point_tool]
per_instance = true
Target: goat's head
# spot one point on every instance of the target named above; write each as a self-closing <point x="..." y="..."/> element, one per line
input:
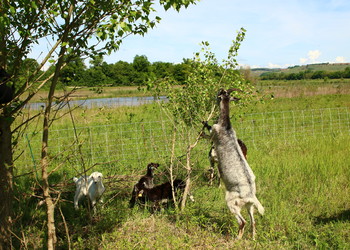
<point x="152" y="166"/>
<point x="96" y="177"/>
<point x="224" y="95"/>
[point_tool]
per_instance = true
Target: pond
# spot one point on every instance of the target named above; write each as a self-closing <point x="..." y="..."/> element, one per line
<point x="104" y="102"/>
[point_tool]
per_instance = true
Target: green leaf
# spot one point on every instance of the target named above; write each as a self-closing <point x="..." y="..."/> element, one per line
<point x="33" y="5"/>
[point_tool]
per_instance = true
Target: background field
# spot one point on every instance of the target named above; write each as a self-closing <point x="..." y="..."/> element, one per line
<point x="298" y="149"/>
<point x="314" y="67"/>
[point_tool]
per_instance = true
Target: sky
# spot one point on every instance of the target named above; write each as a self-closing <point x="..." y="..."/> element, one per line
<point x="279" y="33"/>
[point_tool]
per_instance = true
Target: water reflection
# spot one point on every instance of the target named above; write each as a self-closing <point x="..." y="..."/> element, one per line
<point x="105" y="102"/>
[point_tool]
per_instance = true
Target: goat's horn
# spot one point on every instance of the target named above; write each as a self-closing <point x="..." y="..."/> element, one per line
<point x="234" y="89"/>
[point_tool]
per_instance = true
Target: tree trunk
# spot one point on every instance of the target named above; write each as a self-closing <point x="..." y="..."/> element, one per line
<point x="51" y="229"/>
<point x="6" y="175"/>
<point x="188" y="178"/>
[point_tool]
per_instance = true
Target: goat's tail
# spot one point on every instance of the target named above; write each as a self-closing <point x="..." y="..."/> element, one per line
<point x="258" y="205"/>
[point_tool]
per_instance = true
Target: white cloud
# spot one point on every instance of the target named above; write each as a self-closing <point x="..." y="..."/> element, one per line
<point x="340" y="59"/>
<point x="314" y="55"/>
<point x="272" y="65"/>
<point x="303" y="60"/>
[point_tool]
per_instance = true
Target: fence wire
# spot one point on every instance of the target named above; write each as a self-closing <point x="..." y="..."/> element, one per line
<point x="294" y="124"/>
<point x="139" y="143"/>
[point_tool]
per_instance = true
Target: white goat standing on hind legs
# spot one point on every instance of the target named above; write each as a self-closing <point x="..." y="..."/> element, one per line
<point x="234" y="170"/>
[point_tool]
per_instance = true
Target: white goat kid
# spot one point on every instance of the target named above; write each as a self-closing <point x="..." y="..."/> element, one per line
<point x="234" y="170"/>
<point x="90" y="187"/>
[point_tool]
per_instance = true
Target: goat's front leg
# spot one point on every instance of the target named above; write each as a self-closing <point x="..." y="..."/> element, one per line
<point x="206" y="125"/>
<point x="219" y="179"/>
<point x="93" y="205"/>
<point x="77" y="197"/>
<point x="211" y="174"/>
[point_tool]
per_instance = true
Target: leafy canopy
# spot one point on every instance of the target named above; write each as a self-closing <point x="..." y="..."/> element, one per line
<point x="196" y="100"/>
<point x="71" y="29"/>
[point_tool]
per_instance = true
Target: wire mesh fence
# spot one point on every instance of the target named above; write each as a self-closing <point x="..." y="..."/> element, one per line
<point x="293" y="124"/>
<point x="135" y="144"/>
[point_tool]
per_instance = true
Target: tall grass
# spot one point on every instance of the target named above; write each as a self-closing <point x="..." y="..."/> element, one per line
<point x="305" y="186"/>
<point x="302" y="88"/>
<point x="302" y="181"/>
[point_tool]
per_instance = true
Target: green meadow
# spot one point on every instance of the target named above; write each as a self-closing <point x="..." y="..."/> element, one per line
<point x="298" y="148"/>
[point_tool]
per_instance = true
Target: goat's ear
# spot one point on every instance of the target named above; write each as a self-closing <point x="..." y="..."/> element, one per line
<point x="75" y="179"/>
<point x="220" y="93"/>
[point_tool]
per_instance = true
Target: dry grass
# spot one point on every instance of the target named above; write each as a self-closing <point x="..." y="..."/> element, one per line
<point x="159" y="232"/>
<point x="291" y="91"/>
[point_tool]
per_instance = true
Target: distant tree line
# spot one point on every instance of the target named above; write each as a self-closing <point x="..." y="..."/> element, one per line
<point x="306" y="74"/>
<point x="121" y="73"/>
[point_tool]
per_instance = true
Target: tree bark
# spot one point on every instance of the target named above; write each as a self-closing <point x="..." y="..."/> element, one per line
<point x="188" y="178"/>
<point x="51" y="229"/>
<point x="6" y="178"/>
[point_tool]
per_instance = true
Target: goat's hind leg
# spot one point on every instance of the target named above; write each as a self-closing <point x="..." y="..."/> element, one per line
<point x="241" y="222"/>
<point x="252" y="221"/>
<point x="236" y="210"/>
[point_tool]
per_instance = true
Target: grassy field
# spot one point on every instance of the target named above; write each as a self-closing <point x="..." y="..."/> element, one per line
<point x="289" y="88"/>
<point x="91" y="92"/>
<point x="303" y="182"/>
<point x="300" y="88"/>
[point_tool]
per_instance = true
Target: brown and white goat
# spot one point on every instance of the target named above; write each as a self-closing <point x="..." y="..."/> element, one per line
<point x="162" y="193"/>
<point x="145" y="181"/>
